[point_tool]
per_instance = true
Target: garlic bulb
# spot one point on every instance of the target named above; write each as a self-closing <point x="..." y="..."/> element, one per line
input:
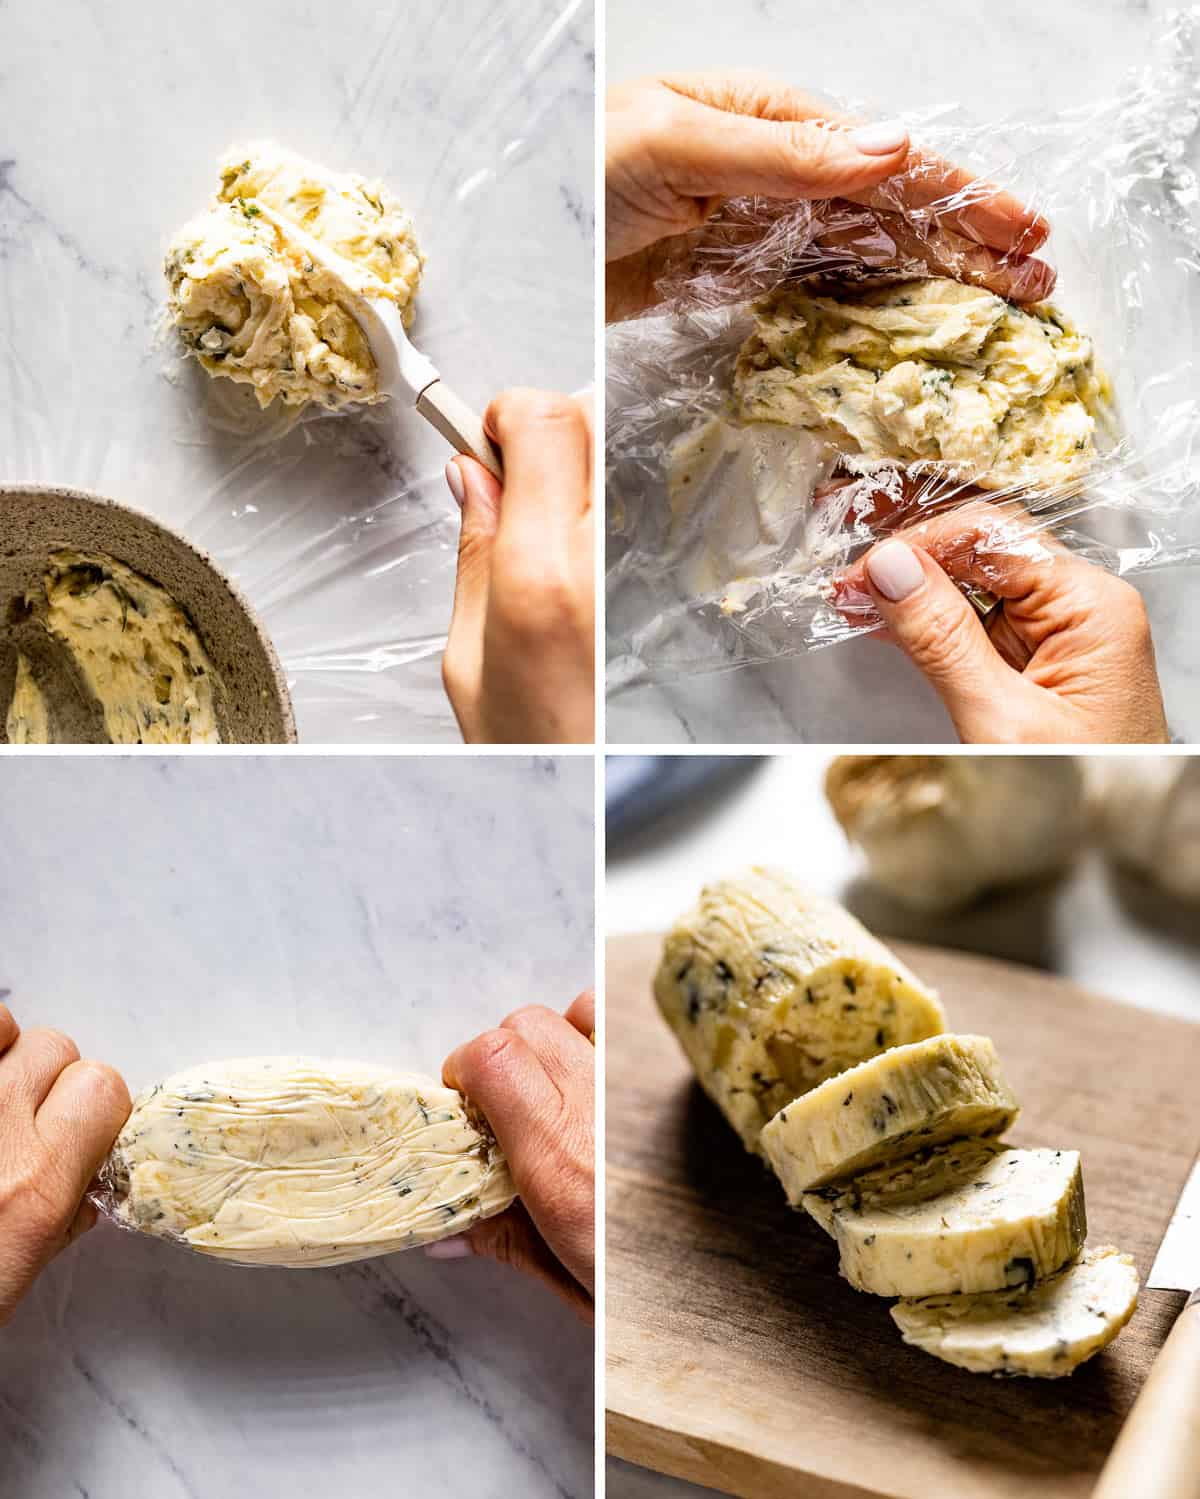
<point x="1149" y="815"/>
<point x="939" y="830"/>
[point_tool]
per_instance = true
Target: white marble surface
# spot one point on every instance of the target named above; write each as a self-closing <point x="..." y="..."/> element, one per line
<point x="1016" y="64"/>
<point x="1095" y="928"/>
<point x="164" y="911"/>
<point x="341" y="532"/>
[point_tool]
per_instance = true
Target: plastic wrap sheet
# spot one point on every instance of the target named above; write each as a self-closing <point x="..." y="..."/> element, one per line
<point x="339" y="529"/>
<point x="726" y="536"/>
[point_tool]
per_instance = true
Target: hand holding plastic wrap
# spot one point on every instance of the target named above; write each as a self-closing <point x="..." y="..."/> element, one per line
<point x="746" y="477"/>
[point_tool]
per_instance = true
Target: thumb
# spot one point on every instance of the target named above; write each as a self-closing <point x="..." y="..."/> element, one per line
<point x="477" y="493"/>
<point x="478" y="496"/>
<point x="937" y="629"/>
<point x="721" y="154"/>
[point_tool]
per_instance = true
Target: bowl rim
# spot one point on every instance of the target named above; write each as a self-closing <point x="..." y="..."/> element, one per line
<point x="10" y="487"/>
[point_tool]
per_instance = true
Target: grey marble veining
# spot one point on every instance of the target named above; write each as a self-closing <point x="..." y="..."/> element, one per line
<point x="165" y="911"/>
<point x="340" y="530"/>
<point x="1025" y="62"/>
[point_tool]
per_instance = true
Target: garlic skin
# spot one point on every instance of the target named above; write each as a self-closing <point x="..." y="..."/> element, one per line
<point x="1149" y="818"/>
<point x="940" y="830"/>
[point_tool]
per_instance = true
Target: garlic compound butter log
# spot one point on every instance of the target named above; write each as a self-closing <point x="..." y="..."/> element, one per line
<point x="1044" y="1332"/>
<point x="297" y="1161"/>
<point x="964" y="1217"/>
<point x="771" y="990"/>
<point x="888" y="1108"/>
<point x="939" y="830"/>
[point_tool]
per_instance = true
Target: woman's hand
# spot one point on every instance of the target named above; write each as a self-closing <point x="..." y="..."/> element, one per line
<point x="58" y="1120"/>
<point x="1066" y="659"/>
<point x="534" y="1080"/>
<point x="520" y="658"/>
<point x="680" y="145"/>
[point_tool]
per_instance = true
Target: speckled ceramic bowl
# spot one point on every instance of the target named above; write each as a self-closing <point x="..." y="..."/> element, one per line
<point x="252" y="705"/>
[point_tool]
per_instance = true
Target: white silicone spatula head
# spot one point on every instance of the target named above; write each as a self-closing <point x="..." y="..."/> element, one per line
<point x="401" y="370"/>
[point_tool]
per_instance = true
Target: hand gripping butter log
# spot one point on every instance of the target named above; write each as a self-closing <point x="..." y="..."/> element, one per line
<point x="969" y="1216"/>
<point x="939" y="830"/>
<point x="887" y="1108"/>
<point x="297" y="1161"/>
<point x="771" y="990"/>
<point x="1044" y="1332"/>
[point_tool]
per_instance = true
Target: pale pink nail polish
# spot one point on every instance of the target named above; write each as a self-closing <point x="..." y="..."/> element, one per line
<point x="880" y="140"/>
<point x="456" y="1248"/>
<point x="454" y="479"/>
<point x="895" y="570"/>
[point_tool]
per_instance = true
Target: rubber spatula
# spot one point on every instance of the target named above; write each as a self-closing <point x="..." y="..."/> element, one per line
<point x="401" y="370"/>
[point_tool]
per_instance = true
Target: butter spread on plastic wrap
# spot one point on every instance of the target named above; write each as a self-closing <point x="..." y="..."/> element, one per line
<point x="299" y="1161"/>
<point x="930" y="370"/>
<point x="252" y="306"/>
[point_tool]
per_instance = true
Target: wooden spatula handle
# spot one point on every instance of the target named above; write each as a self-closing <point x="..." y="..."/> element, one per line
<point x="459" y="425"/>
<point x="1157" y="1455"/>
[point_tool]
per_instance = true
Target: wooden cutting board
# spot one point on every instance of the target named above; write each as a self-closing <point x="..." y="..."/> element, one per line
<point x="738" y="1358"/>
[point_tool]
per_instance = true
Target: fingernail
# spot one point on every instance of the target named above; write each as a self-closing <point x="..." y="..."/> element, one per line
<point x="880" y="140"/>
<point x="456" y="1248"/>
<point x="455" y="480"/>
<point x="895" y="569"/>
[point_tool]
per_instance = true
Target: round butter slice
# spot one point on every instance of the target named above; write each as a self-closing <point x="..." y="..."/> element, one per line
<point x="771" y="990"/>
<point x="1044" y="1332"/>
<point x="299" y="1161"/>
<point x="888" y="1108"/>
<point x="965" y="1217"/>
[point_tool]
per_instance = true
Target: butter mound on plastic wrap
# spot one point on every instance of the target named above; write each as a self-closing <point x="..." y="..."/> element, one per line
<point x="928" y="371"/>
<point x="252" y="306"/>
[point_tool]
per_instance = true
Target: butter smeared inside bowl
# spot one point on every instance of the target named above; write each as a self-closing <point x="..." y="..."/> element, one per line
<point x="96" y="630"/>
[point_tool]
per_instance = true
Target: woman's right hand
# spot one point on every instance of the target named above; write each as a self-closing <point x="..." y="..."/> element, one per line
<point x="534" y="1079"/>
<point x="59" y="1118"/>
<point x="679" y="145"/>
<point x="1065" y="658"/>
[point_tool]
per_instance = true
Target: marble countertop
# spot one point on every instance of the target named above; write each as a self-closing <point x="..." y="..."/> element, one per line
<point x="1095" y="928"/>
<point x="164" y="911"/>
<point x="1022" y="63"/>
<point x="341" y="531"/>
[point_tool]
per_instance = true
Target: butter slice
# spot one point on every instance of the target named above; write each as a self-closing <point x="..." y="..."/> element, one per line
<point x="1043" y="1332"/>
<point x="298" y="1161"/>
<point x="771" y="990"/>
<point x="888" y="1108"/>
<point x="965" y="1217"/>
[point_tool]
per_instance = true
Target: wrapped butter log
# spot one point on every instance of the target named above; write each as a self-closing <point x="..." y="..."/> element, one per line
<point x="1044" y="1332"/>
<point x="973" y="1215"/>
<point x="886" y="1109"/>
<point x="1149" y="815"/>
<point x="771" y="990"/>
<point x="299" y="1162"/>
<point x="940" y="830"/>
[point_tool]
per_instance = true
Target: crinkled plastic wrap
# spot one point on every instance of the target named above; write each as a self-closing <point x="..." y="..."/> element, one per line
<point x="338" y="528"/>
<point x="301" y="1162"/>
<point x="729" y="538"/>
